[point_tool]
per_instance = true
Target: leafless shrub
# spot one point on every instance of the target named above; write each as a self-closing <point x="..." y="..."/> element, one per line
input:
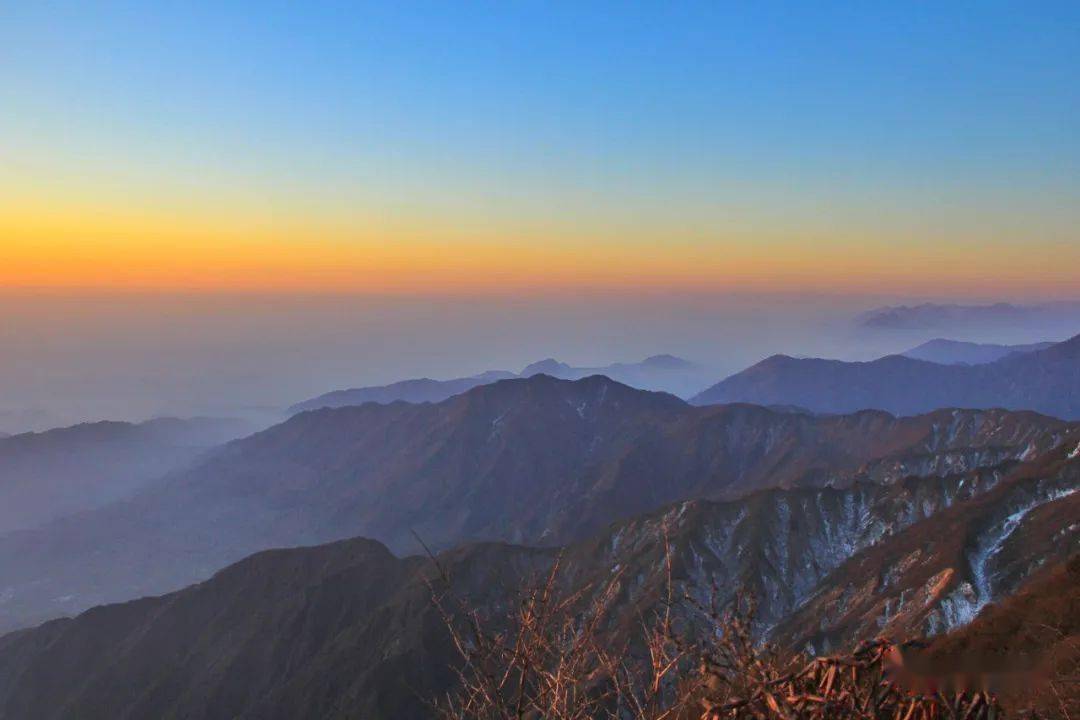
<point x="858" y="685"/>
<point x="556" y="657"/>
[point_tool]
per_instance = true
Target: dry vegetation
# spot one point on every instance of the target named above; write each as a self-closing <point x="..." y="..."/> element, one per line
<point x="557" y="656"/>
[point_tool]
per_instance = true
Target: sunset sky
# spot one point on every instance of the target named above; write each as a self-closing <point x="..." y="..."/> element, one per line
<point x="907" y="148"/>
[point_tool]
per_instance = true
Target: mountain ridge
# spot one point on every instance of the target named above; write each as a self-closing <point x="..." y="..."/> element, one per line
<point x="642" y="375"/>
<point x="952" y="352"/>
<point x="51" y="473"/>
<point x="347" y="629"/>
<point x="1046" y="381"/>
<point x="536" y="461"/>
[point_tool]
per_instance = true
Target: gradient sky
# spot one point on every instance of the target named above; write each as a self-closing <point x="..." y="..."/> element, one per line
<point x="909" y="148"/>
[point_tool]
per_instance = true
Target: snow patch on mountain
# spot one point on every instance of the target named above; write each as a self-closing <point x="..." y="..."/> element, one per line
<point x="990" y="545"/>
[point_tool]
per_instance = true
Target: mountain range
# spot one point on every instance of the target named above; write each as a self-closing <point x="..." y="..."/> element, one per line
<point x="412" y="391"/>
<point x="278" y="574"/>
<point x="998" y="316"/>
<point x="1047" y="381"/>
<point x="955" y="352"/>
<point x="535" y="461"/>
<point x="665" y="373"/>
<point x="349" y="630"/>
<point x="49" y="474"/>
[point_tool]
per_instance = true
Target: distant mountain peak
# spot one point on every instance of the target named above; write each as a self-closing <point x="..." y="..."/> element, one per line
<point x="665" y="373"/>
<point x="954" y="352"/>
<point x="1043" y="380"/>
<point x="668" y="362"/>
<point x="547" y="366"/>
<point x="944" y="316"/>
<point x="584" y="389"/>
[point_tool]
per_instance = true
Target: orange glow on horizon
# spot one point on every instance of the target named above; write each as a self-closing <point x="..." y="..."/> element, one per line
<point x="213" y="254"/>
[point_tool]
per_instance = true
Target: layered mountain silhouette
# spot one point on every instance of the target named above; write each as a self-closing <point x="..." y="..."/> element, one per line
<point x="1047" y="381"/>
<point x="935" y="316"/>
<point x="955" y="352"/>
<point x="412" y="391"/>
<point x="665" y="373"/>
<point x="348" y="629"/>
<point x="535" y="461"/>
<point x="49" y="474"/>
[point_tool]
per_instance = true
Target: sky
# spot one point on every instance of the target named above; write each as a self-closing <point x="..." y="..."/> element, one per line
<point x="207" y="205"/>
<point x="913" y="148"/>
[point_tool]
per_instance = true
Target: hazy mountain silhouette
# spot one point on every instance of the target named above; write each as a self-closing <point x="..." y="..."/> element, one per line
<point x="955" y="352"/>
<point x="49" y="474"/>
<point x="412" y="391"/>
<point x="665" y="373"/>
<point x="1047" y="381"/>
<point x="538" y="460"/>
<point x="933" y="316"/>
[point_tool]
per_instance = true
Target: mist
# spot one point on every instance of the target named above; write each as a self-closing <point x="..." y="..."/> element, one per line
<point x="75" y="357"/>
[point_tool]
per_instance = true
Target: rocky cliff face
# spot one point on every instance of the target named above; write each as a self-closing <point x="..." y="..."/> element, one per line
<point x="940" y="573"/>
<point x="777" y="545"/>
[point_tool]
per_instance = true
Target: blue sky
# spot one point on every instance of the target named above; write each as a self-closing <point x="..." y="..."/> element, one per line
<point x="869" y="122"/>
